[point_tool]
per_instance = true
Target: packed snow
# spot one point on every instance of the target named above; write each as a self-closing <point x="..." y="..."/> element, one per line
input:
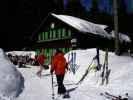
<point x="120" y="79"/>
<point x="11" y="80"/>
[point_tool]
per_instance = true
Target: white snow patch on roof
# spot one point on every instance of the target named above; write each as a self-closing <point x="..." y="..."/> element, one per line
<point x="22" y="53"/>
<point x="122" y="37"/>
<point x="83" y="25"/>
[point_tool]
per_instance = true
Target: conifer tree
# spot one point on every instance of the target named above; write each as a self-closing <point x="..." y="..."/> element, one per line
<point x="94" y="12"/>
<point x="59" y="7"/>
<point x="94" y="8"/>
<point x="74" y="8"/>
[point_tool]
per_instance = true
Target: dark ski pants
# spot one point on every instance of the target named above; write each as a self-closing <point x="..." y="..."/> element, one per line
<point x="61" y="87"/>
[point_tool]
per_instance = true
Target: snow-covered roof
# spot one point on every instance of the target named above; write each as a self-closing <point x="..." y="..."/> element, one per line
<point x="83" y="25"/>
<point x="122" y="37"/>
<point x="22" y="53"/>
<point x="89" y="27"/>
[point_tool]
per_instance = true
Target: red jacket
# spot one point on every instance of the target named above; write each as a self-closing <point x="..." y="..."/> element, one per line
<point x="59" y="64"/>
<point x="41" y="59"/>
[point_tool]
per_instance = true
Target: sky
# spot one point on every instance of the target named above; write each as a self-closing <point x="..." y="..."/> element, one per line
<point x="104" y="5"/>
<point x="37" y="88"/>
<point x="129" y="4"/>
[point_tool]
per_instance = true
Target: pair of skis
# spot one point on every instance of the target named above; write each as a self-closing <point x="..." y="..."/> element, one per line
<point x="109" y="96"/>
<point x="72" y="62"/>
<point x="105" y="70"/>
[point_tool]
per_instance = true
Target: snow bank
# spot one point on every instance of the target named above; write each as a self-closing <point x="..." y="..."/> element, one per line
<point x="11" y="80"/>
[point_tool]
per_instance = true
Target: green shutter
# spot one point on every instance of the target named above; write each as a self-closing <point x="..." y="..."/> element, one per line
<point x="54" y="34"/>
<point x="59" y="33"/>
<point x="63" y="32"/>
<point x="39" y="37"/>
<point x="46" y="35"/>
<point x="69" y="33"/>
<point x="43" y="37"/>
<point x="50" y="33"/>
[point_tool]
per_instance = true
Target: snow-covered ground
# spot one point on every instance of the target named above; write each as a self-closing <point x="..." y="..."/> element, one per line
<point x="120" y="79"/>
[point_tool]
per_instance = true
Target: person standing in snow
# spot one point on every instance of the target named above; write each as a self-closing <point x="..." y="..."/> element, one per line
<point x="41" y="59"/>
<point x="59" y="65"/>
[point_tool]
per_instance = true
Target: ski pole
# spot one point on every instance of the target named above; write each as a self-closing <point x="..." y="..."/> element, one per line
<point x="52" y="87"/>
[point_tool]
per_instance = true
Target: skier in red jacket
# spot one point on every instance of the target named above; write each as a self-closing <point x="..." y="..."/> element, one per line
<point x="59" y="65"/>
<point x="41" y="59"/>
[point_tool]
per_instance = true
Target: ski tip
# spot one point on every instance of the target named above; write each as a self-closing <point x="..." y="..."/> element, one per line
<point x="106" y="92"/>
<point x="66" y="96"/>
<point x="101" y="93"/>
